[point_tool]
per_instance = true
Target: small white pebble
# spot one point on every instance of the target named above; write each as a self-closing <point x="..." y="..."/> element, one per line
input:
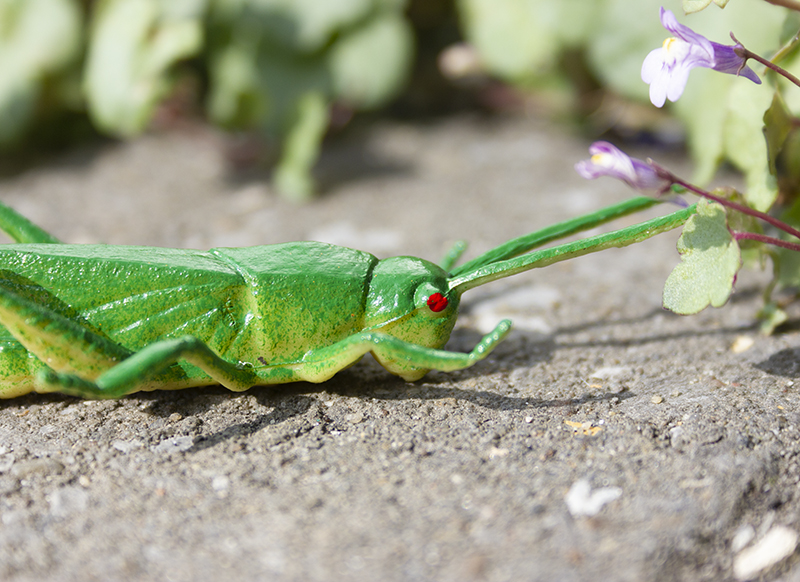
<point x="609" y="372"/>
<point x="220" y="483"/>
<point x="656" y="399"/>
<point x="497" y="453"/>
<point x="743" y="536"/>
<point x="174" y="445"/>
<point x="742" y="343"/>
<point x="777" y="545"/>
<point x="355" y="417"/>
<point x="529" y="419"/>
<point x="583" y="502"/>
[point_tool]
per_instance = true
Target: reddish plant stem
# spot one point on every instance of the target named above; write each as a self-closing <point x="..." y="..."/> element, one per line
<point x="790" y="4"/>
<point x="770" y="240"/>
<point x="748" y="54"/>
<point x="673" y="179"/>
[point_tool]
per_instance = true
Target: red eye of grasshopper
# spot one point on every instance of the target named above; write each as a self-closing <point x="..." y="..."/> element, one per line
<point x="437" y="302"/>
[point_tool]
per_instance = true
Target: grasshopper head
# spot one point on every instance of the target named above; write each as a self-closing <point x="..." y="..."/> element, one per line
<point x="410" y="299"/>
<point x="417" y="301"/>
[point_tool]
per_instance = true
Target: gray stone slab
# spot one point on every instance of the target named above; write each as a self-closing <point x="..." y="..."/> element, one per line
<point x="460" y="476"/>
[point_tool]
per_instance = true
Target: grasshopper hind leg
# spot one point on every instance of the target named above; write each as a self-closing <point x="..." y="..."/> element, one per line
<point x="153" y="363"/>
<point x="41" y="332"/>
<point x="17" y="367"/>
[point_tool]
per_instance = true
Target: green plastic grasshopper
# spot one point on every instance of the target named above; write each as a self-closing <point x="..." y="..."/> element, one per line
<point x="103" y="321"/>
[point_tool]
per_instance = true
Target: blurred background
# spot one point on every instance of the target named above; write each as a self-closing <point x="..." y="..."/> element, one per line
<point x="282" y="76"/>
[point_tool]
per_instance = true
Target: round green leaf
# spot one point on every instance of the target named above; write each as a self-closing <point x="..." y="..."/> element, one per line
<point x="690" y="6"/>
<point x="370" y="65"/>
<point x="515" y="38"/>
<point x="37" y="38"/>
<point x="710" y="259"/>
<point x="132" y="46"/>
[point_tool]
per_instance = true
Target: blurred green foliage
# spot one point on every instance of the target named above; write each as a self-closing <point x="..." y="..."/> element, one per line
<point x="277" y="66"/>
<point x="132" y="46"/>
<point x="39" y="41"/>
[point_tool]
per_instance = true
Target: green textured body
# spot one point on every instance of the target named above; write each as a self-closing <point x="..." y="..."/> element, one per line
<point x="101" y="321"/>
<point x="240" y="302"/>
<point x="258" y="305"/>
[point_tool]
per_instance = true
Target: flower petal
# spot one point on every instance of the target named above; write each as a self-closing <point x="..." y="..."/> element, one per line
<point x="667" y="69"/>
<point x="685" y="33"/>
<point x="727" y="61"/>
<point x="658" y="91"/>
<point x="652" y="65"/>
<point x="678" y="78"/>
<point x="608" y="160"/>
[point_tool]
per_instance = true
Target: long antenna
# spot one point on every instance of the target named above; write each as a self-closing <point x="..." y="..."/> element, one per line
<point x="498" y="269"/>
<point x="541" y="237"/>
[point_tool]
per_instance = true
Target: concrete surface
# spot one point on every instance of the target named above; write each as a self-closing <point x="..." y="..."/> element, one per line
<point x="604" y="440"/>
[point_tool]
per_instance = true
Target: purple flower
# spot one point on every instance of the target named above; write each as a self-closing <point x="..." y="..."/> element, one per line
<point x="608" y="160"/>
<point x="666" y="69"/>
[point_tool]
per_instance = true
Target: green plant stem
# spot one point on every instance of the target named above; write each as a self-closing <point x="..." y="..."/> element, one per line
<point x="786" y="49"/>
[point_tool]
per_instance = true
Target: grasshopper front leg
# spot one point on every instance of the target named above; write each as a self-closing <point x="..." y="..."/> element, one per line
<point x="407" y="360"/>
